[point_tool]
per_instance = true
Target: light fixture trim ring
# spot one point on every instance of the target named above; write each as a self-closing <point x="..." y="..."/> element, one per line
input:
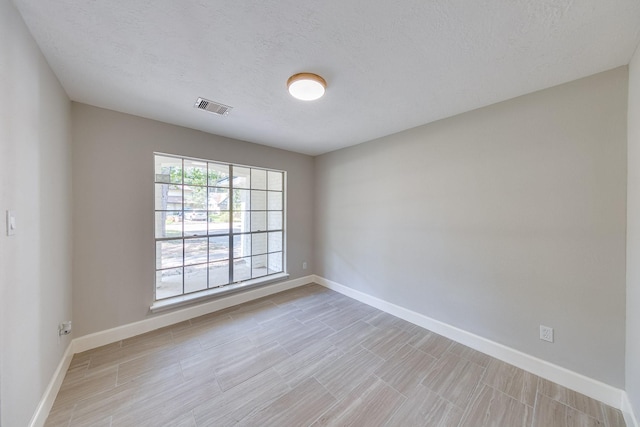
<point x="306" y="86"/>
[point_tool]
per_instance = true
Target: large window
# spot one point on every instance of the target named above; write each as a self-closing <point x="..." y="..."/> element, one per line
<point x="216" y="224"/>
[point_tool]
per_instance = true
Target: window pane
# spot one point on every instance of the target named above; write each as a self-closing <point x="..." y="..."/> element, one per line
<point x="242" y="269"/>
<point x="259" y="221"/>
<point x="218" y="199"/>
<point x="241" y="200"/>
<point x="195" y="172"/>
<point x="195" y="278"/>
<point x="275" y="201"/>
<point x="168" y="283"/>
<point x="168" y="169"/>
<point x="218" y="273"/>
<point x="275" y="241"/>
<point x="168" y="224"/>
<point x="195" y="251"/>
<point x="258" y="200"/>
<point x="259" y="244"/>
<point x="168" y="197"/>
<point x="241" y="177"/>
<point x="258" y="179"/>
<point x="195" y="223"/>
<point x="201" y="225"/>
<point x="259" y="266"/>
<point x="169" y="253"/>
<point x="274" y="220"/>
<point x="219" y="223"/>
<point x="241" y="222"/>
<point x="275" y="180"/>
<point x="218" y="248"/>
<point x="275" y="262"/>
<point x="195" y="198"/>
<point x="218" y="175"/>
<point x="241" y="245"/>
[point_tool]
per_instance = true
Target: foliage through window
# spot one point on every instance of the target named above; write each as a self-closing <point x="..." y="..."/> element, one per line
<point x="215" y="224"/>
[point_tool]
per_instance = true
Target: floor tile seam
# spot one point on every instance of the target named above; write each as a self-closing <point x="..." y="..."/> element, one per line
<point x="337" y="398"/>
<point x="443" y="397"/>
<point x="567" y="406"/>
<point x="600" y="404"/>
<point x="327" y="325"/>
<point x="419" y="382"/>
<point x="334" y="404"/>
<point x="394" y="412"/>
<point x="535" y="404"/>
<point x="119" y="360"/>
<point x="255" y="408"/>
<point x="70" y="415"/>
<point x="269" y="401"/>
<point x="396" y="408"/>
<point x="435" y="359"/>
<point x="520" y="393"/>
<point x="508" y="395"/>
<point x="605" y="417"/>
<point x="86" y="380"/>
<point x="405" y="395"/>
<point x="484" y="369"/>
<point x="82" y="398"/>
<point x="467" y="409"/>
<point x="519" y="398"/>
<point x="136" y="340"/>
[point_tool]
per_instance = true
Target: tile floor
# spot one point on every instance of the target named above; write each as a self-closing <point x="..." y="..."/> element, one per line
<point x="308" y="357"/>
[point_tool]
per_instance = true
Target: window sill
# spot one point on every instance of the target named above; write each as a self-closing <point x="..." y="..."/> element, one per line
<point x="181" y="300"/>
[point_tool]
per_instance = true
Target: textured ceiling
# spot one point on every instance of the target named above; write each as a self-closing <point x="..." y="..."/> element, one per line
<point x="389" y="65"/>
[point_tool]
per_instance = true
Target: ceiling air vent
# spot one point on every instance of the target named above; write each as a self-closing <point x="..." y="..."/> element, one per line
<point x="212" y="107"/>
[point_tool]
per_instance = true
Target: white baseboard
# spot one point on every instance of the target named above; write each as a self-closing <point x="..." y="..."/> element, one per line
<point x="598" y="390"/>
<point x="627" y="410"/>
<point x="580" y="383"/>
<point x="50" y="393"/>
<point x="88" y="342"/>
<point x="109" y="336"/>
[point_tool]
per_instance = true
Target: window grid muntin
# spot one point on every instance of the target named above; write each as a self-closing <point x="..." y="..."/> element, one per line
<point x="245" y="255"/>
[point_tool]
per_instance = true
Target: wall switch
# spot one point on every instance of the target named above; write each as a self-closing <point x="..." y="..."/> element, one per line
<point x="11" y="223"/>
<point x="546" y="333"/>
<point x="304" y="265"/>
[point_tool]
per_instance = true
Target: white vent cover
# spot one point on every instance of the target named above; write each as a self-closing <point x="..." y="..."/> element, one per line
<point x="212" y="107"/>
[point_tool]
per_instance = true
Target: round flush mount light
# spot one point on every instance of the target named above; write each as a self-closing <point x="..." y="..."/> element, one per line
<point x="306" y="86"/>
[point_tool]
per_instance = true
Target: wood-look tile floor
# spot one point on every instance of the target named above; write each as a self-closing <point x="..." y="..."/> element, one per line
<point x="308" y="357"/>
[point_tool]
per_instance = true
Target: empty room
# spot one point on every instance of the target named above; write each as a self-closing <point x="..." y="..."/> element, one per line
<point x="296" y="213"/>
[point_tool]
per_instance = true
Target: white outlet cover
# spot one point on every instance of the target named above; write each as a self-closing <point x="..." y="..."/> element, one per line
<point x="546" y="333"/>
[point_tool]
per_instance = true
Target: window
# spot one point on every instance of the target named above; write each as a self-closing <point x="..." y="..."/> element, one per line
<point x="216" y="224"/>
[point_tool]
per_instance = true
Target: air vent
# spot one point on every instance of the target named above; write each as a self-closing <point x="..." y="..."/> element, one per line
<point x="212" y="107"/>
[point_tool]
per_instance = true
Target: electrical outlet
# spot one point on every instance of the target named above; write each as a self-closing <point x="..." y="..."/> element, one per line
<point x="304" y="265"/>
<point x="546" y="333"/>
<point x="64" y="328"/>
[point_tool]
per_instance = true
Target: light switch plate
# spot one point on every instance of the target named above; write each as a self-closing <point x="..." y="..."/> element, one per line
<point x="11" y="223"/>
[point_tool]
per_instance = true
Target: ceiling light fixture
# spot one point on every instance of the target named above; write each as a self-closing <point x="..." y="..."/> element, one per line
<point x="306" y="86"/>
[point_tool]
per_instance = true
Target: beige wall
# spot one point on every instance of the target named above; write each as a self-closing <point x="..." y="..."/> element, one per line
<point x="113" y="271"/>
<point x="494" y="221"/>
<point x="35" y="181"/>
<point x="633" y="237"/>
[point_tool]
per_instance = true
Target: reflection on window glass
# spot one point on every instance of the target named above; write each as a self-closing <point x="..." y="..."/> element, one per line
<point x="215" y="224"/>
<point x="195" y="172"/>
<point x="258" y="179"/>
<point x="258" y="221"/>
<point x="218" y="175"/>
<point x="274" y="180"/>
<point x="168" y="169"/>
<point x="241" y="177"/>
